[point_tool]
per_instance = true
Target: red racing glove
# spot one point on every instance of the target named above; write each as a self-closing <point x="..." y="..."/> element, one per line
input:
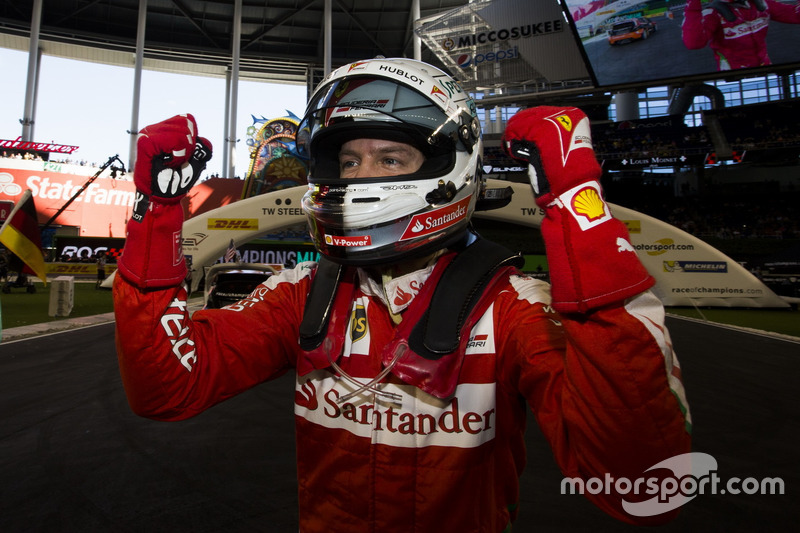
<point x="592" y="262"/>
<point x="169" y="159"/>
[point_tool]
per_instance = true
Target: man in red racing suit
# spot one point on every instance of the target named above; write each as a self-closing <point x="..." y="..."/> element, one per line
<point x="393" y="435"/>
<point x="735" y="30"/>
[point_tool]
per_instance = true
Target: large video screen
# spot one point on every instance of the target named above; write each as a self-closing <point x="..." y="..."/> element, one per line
<point x="643" y="41"/>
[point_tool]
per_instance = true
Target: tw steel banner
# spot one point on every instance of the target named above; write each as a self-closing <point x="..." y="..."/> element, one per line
<point x="501" y="43"/>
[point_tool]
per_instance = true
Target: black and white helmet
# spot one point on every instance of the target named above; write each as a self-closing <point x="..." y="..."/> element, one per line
<point x="378" y="220"/>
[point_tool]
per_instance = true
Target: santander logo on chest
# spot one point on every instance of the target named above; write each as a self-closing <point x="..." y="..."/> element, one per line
<point x="416" y="420"/>
<point x="438" y="219"/>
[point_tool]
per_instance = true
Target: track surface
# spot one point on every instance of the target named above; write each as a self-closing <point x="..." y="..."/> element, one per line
<point x="74" y="458"/>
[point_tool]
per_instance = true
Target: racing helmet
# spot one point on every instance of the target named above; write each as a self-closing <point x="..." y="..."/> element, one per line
<point x="377" y="220"/>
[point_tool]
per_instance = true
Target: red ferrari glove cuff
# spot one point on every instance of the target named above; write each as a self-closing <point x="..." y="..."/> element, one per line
<point x="693" y="5"/>
<point x="592" y="262"/>
<point x="153" y="255"/>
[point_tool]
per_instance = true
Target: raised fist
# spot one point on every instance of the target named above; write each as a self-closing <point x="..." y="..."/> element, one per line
<point x="557" y="144"/>
<point x="169" y="159"/>
<point x="592" y="262"/>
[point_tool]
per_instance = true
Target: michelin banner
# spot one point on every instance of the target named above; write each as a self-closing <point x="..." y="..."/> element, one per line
<point x="688" y="271"/>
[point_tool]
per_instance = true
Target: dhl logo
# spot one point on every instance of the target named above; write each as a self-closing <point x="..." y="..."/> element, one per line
<point x="634" y="226"/>
<point x="71" y="269"/>
<point x="233" y="223"/>
<point x="79" y="268"/>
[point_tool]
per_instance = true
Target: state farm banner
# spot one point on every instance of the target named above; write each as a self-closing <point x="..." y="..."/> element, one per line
<point x="500" y="43"/>
<point x="100" y="210"/>
<point x="5" y="208"/>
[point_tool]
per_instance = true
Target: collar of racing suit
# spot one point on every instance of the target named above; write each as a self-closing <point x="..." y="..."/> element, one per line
<point x="428" y="346"/>
<point x="395" y="291"/>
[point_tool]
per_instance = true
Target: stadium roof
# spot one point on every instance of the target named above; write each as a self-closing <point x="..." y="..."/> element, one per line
<point x="280" y="40"/>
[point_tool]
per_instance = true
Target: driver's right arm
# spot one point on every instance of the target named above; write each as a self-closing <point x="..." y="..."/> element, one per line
<point x="175" y="364"/>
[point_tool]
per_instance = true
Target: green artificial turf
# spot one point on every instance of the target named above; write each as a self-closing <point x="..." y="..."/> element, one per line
<point x="786" y="322"/>
<point x="20" y="308"/>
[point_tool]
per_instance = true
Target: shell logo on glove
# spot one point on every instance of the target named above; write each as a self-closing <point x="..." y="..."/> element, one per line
<point x="586" y="205"/>
<point x="589" y="204"/>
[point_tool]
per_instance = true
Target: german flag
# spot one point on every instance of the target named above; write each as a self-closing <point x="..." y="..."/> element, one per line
<point x="20" y="234"/>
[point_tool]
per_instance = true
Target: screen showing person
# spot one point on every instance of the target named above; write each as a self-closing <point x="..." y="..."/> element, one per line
<point x="630" y="41"/>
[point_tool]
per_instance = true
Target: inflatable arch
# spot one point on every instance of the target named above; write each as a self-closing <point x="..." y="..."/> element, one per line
<point x="688" y="271"/>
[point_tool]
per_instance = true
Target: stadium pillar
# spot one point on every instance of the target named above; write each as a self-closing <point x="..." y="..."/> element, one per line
<point x="786" y="86"/>
<point x="225" y="122"/>
<point x="627" y="106"/>
<point x="141" y="25"/>
<point x="33" y="68"/>
<point x="415" y="15"/>
<point x="237" y="49"/>
<point x="326" y="36"/>
<point x="487" y="116"/>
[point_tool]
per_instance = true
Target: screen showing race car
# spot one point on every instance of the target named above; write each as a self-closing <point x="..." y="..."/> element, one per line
<point x="641" y="41"/>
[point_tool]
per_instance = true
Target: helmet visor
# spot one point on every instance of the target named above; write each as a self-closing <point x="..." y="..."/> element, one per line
<point x="353" y="103"/>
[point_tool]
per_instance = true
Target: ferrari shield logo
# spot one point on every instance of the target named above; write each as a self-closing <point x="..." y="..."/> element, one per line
<point x="358" y="323"/>
<point x="565" y="121"/>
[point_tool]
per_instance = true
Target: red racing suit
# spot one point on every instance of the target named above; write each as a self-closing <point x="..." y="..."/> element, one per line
<point x="740" y="42"/>
<point x="437" y="445"/>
